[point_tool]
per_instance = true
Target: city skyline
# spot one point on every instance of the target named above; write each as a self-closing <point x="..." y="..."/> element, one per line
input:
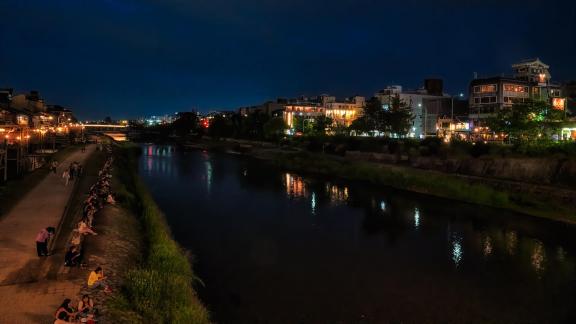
<point x="126" y="59"/>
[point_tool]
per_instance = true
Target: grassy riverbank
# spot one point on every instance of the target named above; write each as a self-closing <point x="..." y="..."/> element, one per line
<point x="159" y="289"/>
<point x="423" y="181"/>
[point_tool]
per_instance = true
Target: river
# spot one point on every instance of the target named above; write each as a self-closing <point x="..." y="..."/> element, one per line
<point x="273" y="246"/>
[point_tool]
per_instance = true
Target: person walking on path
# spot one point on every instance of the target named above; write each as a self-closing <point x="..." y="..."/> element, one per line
<point x="66" y="176"/>
<point x="42" y="240"/>
<point x="72" y="171"/>
<point x="53" y="166"/>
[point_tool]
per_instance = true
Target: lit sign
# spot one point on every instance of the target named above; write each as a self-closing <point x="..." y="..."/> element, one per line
<point x="558" y="103"/>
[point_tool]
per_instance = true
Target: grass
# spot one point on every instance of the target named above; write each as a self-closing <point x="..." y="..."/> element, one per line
<point x="427" y="182"/>
<point x="160" y="289"/>
<point x="13" y="190"/>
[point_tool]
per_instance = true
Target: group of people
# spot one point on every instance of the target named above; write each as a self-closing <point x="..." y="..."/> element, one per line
<point x="74" y="170"/>
<point x="99" y="194"/>
<point x="85" y="312"/>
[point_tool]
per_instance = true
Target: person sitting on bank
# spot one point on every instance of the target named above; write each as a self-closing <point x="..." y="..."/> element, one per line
<point x="97" y="280"/>
<point x="85" y="306"/>
<point x="42" y="240"/>
<point x="65" y="309"/>
<point x="85" y="229"/>
<point x="73" y="257"/>
<point x="62" y="319"/>
<point x="110" y="199"/>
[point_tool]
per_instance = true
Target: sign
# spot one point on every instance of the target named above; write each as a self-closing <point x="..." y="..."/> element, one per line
<point x="558" y="103"/>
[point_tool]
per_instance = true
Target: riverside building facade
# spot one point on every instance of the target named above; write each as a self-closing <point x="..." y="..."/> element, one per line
<point x="531" y="81"/>
<point x="419" y="101"/>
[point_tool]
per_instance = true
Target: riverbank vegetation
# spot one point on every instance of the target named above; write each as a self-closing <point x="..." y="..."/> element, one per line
<point x="159" y="289"/>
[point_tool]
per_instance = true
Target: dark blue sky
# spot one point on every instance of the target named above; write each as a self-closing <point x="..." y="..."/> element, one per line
<point x="128" y="58"/>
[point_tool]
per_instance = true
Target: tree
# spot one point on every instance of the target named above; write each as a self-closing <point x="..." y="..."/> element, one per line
<point x="186" y="123"/>
<point x="526" y="121"/>
<point x="274" y="128"/>
<point x="398" y="118"/>
<point x="252" y="125"/>
<point x="320" y="125"/>
<point x="374" y="116"/>
<point x="303" y="124"/>
<point x="220" y="126"/>
<point x="361" y="125"/>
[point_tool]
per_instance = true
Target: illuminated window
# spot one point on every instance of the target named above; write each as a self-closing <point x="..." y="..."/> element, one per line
<point x="558" y="103"/>
<point x="515" y="88"/>
<point x="487" y="88"/>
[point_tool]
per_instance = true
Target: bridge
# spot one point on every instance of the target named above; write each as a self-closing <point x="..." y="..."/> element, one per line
<point x="117" y="132"/>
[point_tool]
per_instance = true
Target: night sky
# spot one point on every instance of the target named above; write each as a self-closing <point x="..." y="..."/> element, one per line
<point x="128" y="58"/>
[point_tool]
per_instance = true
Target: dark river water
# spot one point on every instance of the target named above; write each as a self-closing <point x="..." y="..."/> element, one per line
<point x="273" y="246"/>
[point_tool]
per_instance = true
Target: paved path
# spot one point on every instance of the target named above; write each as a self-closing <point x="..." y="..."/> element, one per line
<point x="20" y="267"/>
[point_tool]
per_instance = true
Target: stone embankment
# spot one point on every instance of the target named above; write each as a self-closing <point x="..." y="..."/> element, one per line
<point x="553" y="178"/>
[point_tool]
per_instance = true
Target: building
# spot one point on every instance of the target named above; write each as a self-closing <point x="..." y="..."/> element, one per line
<point x="425" y="117"/>
<point x="489" y="95"/>
<point x="342" y="113"/>
<point x="270" y="108"/>
<point x="448" y="116"/>
<point x="305" y="110"/>
<point x="531" y="81"/>
<point x="569" y="91"/>
<point x="345" y="112"/>
<point x="60" y="115"/>
<point x="31" y="102"/>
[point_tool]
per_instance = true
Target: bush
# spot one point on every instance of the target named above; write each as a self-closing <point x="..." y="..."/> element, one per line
<point x="479" y="149"/>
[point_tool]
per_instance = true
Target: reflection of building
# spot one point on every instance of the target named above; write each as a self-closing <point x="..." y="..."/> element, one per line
<point x="337" y="193"/>
<point x="295" y="186"/>
<point x="420" y="102"/>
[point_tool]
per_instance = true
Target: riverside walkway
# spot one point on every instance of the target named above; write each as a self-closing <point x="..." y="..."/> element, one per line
<point x="26" y="294"/>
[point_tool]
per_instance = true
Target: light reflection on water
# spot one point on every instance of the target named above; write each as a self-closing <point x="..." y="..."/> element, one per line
<point x="457" y="251"/>
<point x="511" y="242"/>
<point x="538" y="257"/>
<point x="295" y="186"/>
<point x="372" y="240"/>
